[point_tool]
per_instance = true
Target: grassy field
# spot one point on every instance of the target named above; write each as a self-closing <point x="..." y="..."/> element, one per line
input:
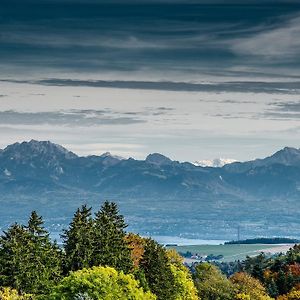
<point x="233" y="252"/>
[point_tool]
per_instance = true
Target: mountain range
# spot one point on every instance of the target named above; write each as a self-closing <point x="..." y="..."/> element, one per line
<point x="158" y="196"/>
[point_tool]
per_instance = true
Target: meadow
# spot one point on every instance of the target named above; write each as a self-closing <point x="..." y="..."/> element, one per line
<point x="233" y="252"/>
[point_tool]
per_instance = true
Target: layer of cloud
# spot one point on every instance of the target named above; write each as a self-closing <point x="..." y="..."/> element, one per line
<point x="246" y="86"/>
<point x="67" y="118"/>
<point x="283" y="110"/>
<point x="101" y="35"/>
<point x="281" y="42"/>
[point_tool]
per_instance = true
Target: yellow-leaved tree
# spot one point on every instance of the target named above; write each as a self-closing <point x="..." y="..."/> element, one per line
<point x="7" y="293"/>
<point x="246" y="285"/>
<point x="184" y="288"/>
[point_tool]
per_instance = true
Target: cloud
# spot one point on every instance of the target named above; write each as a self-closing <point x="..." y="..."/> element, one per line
<point x="287" y="106"/>
<point x="66" y="118"/>
<point x="230" y="86"/>
<point x="190" y="36"/>
<point x="289" y="110"/>
<point x="281" y="42"/>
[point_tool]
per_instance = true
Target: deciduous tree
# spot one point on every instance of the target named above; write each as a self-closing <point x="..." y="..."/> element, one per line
<point x="103" y="283"/>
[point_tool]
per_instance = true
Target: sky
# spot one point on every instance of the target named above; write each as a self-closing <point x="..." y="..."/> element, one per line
<point x="190" y="79"/>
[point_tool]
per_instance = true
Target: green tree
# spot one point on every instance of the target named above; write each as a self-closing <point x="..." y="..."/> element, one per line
<point x="109" y="239"/>
<point x="44" y="265"/>
<point x="156" y="267"/>
<point x="78" y="240"/>
<point x="103" y="283"/>
<point x="272" y="288"/>
<point x="281" y="282"/>
<point x="14" y="253"/>
<point x="29" y="261"/>
<point x="256" y="266"/>
<point x="212" y="284"/>
<point x="35" y="225"/>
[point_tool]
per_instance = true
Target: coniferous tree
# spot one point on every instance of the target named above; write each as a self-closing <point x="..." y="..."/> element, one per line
<point x="45" y="260"/>
<point x="110" y="245"/>
<point x="29" y="262"/>
<point x="13" y="256"/>
<point x="281" y="283"/>
<point x="35" y="225"/>
<point x="157" y="270"/>
<point x="272" y="288"/>
<point x="78" y="242"/>
<point x="290" y="281"/>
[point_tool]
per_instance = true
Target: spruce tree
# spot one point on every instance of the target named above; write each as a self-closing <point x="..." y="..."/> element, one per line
<point x="45" y="263"/>
<point x="35" y="225"/>
<point x="77" y="239"/>
<point x="29" y="262"/>
<point x="110" y="246"/>
<point x="157" y="270"/>
<point x="281" y="283"/>
<point x="272" y="288"/>
<point x="14" y="254"/>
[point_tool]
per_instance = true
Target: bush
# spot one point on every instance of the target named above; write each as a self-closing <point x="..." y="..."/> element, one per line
<point x="103" y="283"/>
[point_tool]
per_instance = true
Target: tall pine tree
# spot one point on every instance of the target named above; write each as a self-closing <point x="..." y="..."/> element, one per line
<point x="45" y="260"/>
<point x="78" y="240"/>
<point x="29" y="261"/>
<point x="157" y="270"/>
<point x="14" y="255"/>
<point x="110" y="246"/>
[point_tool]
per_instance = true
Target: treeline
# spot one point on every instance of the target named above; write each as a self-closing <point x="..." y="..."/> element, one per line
<point x="100" y="260"/>
<point x="280" y="274"/>
<point x="276" y="240"/>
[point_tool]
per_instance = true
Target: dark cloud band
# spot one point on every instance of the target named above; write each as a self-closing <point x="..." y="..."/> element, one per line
<point x="243" y="87"/>
<point x="66" y="118"/>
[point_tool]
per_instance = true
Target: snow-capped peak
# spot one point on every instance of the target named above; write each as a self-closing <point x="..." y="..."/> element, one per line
<point x="108" y="154"/>
<point x="7" y="173"/>
<point x="215" y="163"/>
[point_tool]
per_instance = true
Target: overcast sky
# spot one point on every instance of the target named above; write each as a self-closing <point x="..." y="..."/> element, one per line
<point x="189" y="79"/>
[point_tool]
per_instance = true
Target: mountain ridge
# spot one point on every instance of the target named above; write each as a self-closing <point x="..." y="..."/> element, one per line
<point x="163" y="196"/>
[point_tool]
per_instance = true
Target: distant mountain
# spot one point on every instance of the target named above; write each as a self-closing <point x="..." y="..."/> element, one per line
<point x="215" y="163"/>
<point x="158" y="196"/>
<point x="287" y="156"/>
<point x="158" y="159"/>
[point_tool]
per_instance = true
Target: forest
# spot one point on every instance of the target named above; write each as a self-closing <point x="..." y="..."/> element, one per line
<point x="99" y="259"/>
